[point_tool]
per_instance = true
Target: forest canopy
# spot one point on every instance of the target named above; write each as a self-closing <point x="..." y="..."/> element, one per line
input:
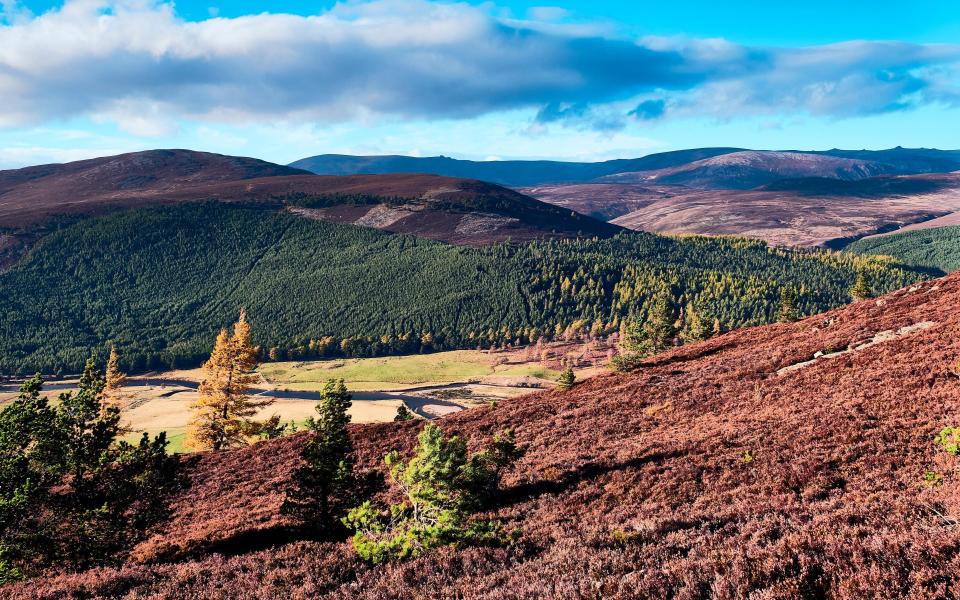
<point x="159" y="283"/>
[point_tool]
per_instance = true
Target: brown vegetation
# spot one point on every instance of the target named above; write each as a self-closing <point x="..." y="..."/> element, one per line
<point x="803" y="212"/>
<point x="461" y="211"/>
<point x="704" y="474"/>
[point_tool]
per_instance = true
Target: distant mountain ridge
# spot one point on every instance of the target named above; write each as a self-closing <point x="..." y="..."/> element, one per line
<point x="536" y="172"/>
<point x="503" y="172"/>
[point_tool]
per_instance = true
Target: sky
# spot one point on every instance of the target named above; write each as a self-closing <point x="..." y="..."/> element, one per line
<point x="578" y="80"/>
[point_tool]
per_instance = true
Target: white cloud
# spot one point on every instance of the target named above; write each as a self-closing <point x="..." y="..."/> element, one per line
<point x="135" y="63"/>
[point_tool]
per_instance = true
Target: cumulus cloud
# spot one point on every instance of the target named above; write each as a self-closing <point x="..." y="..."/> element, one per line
<point x="134" y="62"/>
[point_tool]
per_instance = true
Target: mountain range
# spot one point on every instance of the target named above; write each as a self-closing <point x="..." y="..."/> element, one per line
<point x="788" y="198"/>
<point x="728" y="168"/>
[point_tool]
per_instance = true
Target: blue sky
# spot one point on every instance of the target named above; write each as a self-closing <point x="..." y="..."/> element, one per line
<point x="578" y="80"/>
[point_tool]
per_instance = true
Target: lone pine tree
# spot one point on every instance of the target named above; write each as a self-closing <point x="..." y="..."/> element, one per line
<point x="404" y="414"/>
<point x="566" y="380"/>
<point x="325" y="486"/>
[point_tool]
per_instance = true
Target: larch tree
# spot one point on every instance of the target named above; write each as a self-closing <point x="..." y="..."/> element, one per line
<point x="222" y="416"/>
<point x="114" y="379"/>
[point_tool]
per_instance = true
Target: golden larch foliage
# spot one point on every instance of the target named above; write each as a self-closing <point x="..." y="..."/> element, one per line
<point x="222" y="414"/>
<point x="114" y="379"/>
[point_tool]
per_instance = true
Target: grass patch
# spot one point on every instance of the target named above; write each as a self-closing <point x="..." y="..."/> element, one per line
<point x="392" y="372"/>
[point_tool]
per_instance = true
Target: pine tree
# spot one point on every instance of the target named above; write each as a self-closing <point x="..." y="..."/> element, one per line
<point x="72" y="493"/>
<point x="787" y="312"/>
<point x="88" y="426"/>
<point x="694" y="328"/>
<point x="114" y="379"/>
<point x="442" y="487"/>
<point x="861" y="289"/>
<point x="324" y="486"/>
<point x="32" y="463"/>
<point x="222" y="413"/>
<point x="660" y="327"/>
<point x="566" y="380"/>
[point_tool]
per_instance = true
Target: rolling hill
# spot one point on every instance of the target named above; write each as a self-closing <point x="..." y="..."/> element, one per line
<point x="806" y="198"/>
<point x="33" y="193"/>
<point x="813" y="211"/>
<point x="442" y="208"/>
<point x="784" y="461"/>
<point x="710" y="168"/>
<point x="750" y="169"/>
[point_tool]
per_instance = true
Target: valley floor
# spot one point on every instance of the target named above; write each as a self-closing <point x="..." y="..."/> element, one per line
<point x="430" y="385"/>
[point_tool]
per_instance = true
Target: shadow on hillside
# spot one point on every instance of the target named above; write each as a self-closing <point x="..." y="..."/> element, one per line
<point x="254" y="540"/>
<point x="572" y="479"/>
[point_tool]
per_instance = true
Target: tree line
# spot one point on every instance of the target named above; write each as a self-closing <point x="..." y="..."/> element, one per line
<point x="159" y="283"/>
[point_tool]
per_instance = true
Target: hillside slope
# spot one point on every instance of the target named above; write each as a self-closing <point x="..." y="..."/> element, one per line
<point x="460" y="211"/>
<point x="28" y="195"/>
<point x="749" y="169"/>
<point x="727" y="469"/>
<point x="930" y="248"/>
<point x="909" y="160"/>
<point x="160" y="282"/>
<point x="813" y="211"/>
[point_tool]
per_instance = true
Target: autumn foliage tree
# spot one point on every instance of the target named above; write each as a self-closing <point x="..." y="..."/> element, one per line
<point x="114" y="379"/>
<point x="222" y="416"/>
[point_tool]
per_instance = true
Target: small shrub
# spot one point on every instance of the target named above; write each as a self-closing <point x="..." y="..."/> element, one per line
<point x="442" y="488"/>
<point x="949" y="439"/>
<point x="566" y="380"/>
<point x="624" y="363"/>
<point x="404" y="414"/>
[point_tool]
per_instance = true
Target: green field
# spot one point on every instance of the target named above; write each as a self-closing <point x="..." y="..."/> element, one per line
<point x="398" y="372"/>
<point x="937" y="248"/>
<point x="176" y="436"/>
